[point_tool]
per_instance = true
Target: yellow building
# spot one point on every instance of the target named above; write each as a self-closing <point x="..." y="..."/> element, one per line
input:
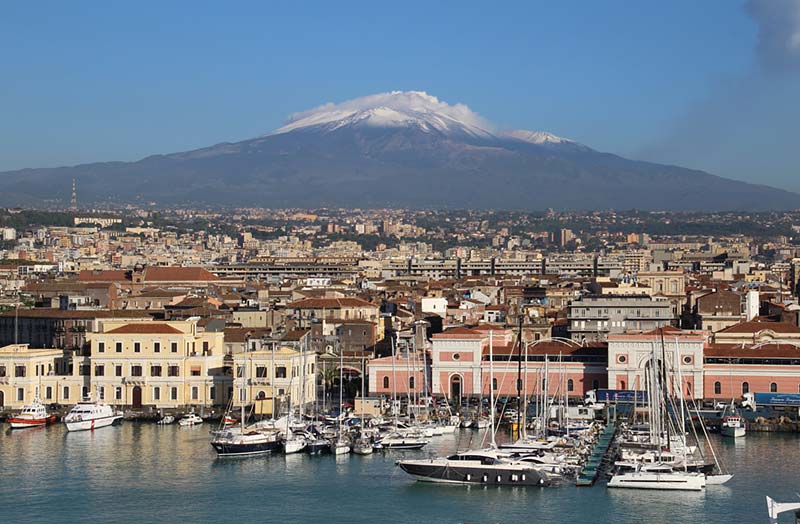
<point x="157" y="364"/>
<point x="29" y="373"/>
<point x="276" y="378"/>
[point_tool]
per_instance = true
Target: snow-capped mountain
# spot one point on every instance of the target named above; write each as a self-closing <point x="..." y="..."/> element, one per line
<point x="397" y="149"/>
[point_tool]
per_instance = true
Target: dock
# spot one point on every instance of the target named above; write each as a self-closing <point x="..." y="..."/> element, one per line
<point x="591" y="469"/>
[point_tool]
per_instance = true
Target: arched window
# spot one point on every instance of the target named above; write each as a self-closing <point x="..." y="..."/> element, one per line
<point x="773" y="388"/>
<point x="385" y="382"/>
<point x="745" y="387"/>
<point x="570" y="385"/>
<point x="261" y="395"/>
<point x="410" y="382"/>
<point x="717" y="388"/>
<point x="494" y="384"/>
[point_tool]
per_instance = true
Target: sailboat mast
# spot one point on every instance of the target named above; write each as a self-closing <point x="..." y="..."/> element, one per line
<point x="491" y="385"/>
<point x="519" y="376"/>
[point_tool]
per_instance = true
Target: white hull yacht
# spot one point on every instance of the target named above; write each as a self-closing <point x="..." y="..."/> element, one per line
<point x="88" y="416"/>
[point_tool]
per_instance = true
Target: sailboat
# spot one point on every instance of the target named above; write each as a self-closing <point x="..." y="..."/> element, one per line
<point x="776" y="508"/>
<point x="293" y="442"/>
<point x="240" y="441"/>
<point x="341" y="446"/>
<point x="362" y="445"/>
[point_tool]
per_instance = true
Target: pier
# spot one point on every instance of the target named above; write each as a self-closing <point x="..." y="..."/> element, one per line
<point x="593" y="466"/>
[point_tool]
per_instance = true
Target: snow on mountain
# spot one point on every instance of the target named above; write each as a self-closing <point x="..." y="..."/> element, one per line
<point x="395" y="109"/>
<point x="543" y="138"/>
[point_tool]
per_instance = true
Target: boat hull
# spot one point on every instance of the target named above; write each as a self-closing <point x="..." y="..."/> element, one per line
<point x="661" y="482"/>
<point x="91" y="425"/>
<point x="250" y="448"/>
<point x="733" y="432"/>
<point x="449" y="474"/>
<point x="314" y="448"/>
<point x="23" y="423"/>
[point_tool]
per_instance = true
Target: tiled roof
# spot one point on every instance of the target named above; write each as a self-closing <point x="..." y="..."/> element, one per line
<point x="330" y="303"/>
<point x="104" y="275"/>
<point x="146" y="328"/>
<point x="754" y="326"/>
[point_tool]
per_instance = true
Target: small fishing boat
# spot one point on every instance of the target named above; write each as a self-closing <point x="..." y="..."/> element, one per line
<point x="32" y="416"/>
<point x="733" y="426"/>
<point x="190" y="420"/>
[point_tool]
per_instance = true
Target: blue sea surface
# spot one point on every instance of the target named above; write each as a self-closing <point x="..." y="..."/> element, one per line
<point x="141" y="472"/>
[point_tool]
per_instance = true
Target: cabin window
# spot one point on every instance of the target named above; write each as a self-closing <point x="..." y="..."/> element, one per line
<point x="137" y="347"/>
<point x="156" y="347"/>
<point x="101" y="347"/>
<point x="717" y="388"/>
<point x="118" y="347"/>
<point x="280" y="372"/>
<point x="410" y="382"/>
<point x="773" y="388"/>
<point x="745" y="387"/>
<point x="156" y="393"/>
<point x="570" y="385"/>
<point x="386" y="382"/>
<point x="20" y="394"/>
<point x="99" y="370"/>
<point x="66" y="393"/>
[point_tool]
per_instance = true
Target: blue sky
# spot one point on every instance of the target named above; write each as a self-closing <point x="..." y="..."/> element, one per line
<point x="678" y="82"/>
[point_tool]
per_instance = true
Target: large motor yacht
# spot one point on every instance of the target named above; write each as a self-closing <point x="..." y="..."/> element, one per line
<point x="88" y="415"/>
<point x="475" y="467"/>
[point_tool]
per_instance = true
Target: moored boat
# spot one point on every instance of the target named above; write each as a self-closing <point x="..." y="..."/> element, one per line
<point x="733" y="426"/>
<point x="32" y="416"/>
<point x="88" y="415"/>
<point x="192" y="419"/>
<point x="474" y="467"/>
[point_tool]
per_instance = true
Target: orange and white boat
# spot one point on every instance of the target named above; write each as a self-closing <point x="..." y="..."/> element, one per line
<point x="32" y="416"/>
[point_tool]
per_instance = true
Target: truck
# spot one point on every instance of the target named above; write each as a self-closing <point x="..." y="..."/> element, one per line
<point x="620" y="396"/>
<point x="771" y="400"/>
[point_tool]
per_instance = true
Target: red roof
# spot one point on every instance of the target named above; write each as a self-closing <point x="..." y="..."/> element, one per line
<point x="146" y="328"/>
<point x="754" y="326"/>
<point x="330" y="303"/>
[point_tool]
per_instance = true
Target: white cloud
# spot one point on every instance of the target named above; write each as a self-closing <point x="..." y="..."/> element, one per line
<point x="778" y="32"/>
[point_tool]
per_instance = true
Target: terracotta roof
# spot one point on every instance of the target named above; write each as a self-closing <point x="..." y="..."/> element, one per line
<point x="146" y="328"/>
<point x="754" y="326"/>
<point x="775" y="350"/>
<point x="240" y="334"/>
<point x="330" y="303"/>
<point x="459" y="332"/>
<point x="104" y="275"/>
<point x="177" y="274"/>
<point x="294" y="335"/>
<point x="77" y="314"/>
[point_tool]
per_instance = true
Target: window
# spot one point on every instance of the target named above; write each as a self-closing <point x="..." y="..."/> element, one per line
<point x="136" y="371"/>
<point x="494" y="384"/>
<point x="137" y="347"/>
<point x="570" y="385"/>
<point x="261" y="395"/>
<point x="205" y="347"/>
<point x="85" y="370"/>
<point x="173" y="394"/>
<point x="261" y="372"/>
<point x="19" y="371"/>
<point x="101" y="393"/>
<point x="745" y="387"/>
<point x="212" y="392"/>
<point x="118" y="371"/>
<point x="173" y="371"/>
<point x="156" y="393"/>
<point x="48" y="392"/>
<point x="99" y="370"/>
<point x="85" y="392"/>
<point x="118" y="347"/>
<point x="195" y="392"/>
<point x="281" y="392"/>
<point x="595" y="384"/>
<point x="386" y="382"/>
<point x="773" y="388"/>
<point x="717" y="388"/>
<point x="173" y="346"/>
<point x="101" y="347"/>
<point x="117" y="393"/>
<point x="156" y="347"/>
<point x="66" y="393"/>
<point x="155" y="371"/>
<point x="2" y="371"/>
<point x="20" y="394"/>
<point x="410" y="382"/>
<point x="196" y="370"/>
<point x="280" y="372"/>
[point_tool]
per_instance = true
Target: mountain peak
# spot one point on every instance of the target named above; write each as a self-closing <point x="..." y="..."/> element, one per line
<point x="543" y="138"/>
<point x="393" y="109"/>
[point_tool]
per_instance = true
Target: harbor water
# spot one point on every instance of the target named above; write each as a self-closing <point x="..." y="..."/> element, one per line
<point x="140" y="472"/>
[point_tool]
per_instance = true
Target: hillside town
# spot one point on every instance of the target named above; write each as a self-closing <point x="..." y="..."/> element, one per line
<point x="153" y="310"/>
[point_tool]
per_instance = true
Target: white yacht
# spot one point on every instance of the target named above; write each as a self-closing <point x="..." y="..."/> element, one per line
<point x="475" y="467"/>
<point x="88" y="415"/>
<point x="192" y="419"/>
<point x="660" y="477"/>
